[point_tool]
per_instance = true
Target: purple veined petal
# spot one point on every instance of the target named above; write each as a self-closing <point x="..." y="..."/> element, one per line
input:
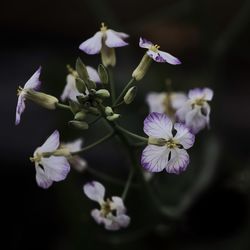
<point x="155" y="56"/>
<point x="34" y="82"/>
<point x="41" y="178"/>
<point x="182" y="112"/>
<point x="96" y="214"/>
<point x="19" y="108"/>
<point x="178" y="161"/>
<point x="69" y="88"/>
<point x="144" y="43"/>
<point x="93" y="45"/>
<point x="155" y="158"/>
<point x="195" y="120"/>
<point x="155" y="102"/>
<point x="158" y="125"/>
<point x="184" y="136"/>
<point x="113" y="40"/>
<point x="56" y="168"/>
<point x="123" y="220"/>
<point x="95" y="191"/>
<point x="120" y="34"/>
<point x="208" y="94"/>
<point x="93" y="75"/>
<point x="51" y="144"/>
<point x="118" y="205"/>
<point x="169" y="58"/>
<point x="178" y="100"/>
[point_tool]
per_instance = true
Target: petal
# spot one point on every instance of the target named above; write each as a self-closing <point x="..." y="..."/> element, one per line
<point x="123" y="220"/>
<point x="208" y="94"/>
<point x="74" y="145"/>
<point x="178" y="161"/>
<point x="118" y="205"/>
<point x="51" y="144"/>
<point x="155" y="158"/>
<point x="197" y="93"/>
<point x="96" y="214"/>
<point x="178" y="100"/>
<point x="182" y="112"/>
<point x="120" y="34"/>
<point x="169" y="58"/>
<point x="78" y="163"/>
<point x="144" y="43"/>
<point x="158" y="125"/>
<point x="113" y="40"/>
<point x="70" y="91"/>
<point x="155" y="102"/>
<point x="93" y="75"/>
<point x="19" y="108"/>
<point x="34" y="82"/>
<point x="184" y="136"/>
<point x="155" y="56"/>
<point x="56" y="167"/>
<point x="41" y="178"/>
<point x="93" y="45"/>
<point x="94" y="191"/>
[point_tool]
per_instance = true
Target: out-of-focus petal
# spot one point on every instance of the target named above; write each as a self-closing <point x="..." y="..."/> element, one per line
<point x="93" y="45"/>
<point x="123" y="220"/>
<point x="184" y="136"/>
<point x="208" y="94"/>
<point x="155" y="102"/>
<point x="118" y="205"/>
<point x="183" y="111"/>
<point x="178" y="100"/>
<point x="94" y="191"/>
<point x="96" y="214"/>
<point x="113" y="40"/>
<point x="169" y="58"/>
<point x="69" y="88"/>
<point x="93" y="75"/>
<point x="120" y="34"/>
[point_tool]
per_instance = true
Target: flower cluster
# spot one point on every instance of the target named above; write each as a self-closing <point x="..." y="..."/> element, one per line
<point x="90" y="95"/>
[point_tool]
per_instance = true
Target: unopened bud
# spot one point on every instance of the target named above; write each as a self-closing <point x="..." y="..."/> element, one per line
<point x="79" y="125"/>
<point x="103" y="93"/>
<point x="130" y="95"/>
<point x="80" y="116"/>
<point x="108" y="56"/>
<point x="113" y="117"/>
<point x="142" y="68"/>
<point x="109" y="111"/>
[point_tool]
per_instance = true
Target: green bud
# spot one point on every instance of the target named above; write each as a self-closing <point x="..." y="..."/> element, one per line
<point x="130" y="95"/>
<point x="80" y="85"/>
<point x="109" y="111"/>
<point x="79" y="124"/>
<point x="142" y="68"/>
<point x="108" y="56"/>
<point x="80" y="115"/>
<point x="113" y="117"/>
<point x="103" y="93"/>
<point x="81" y="70"/>
<point x="74" y="106"/>
<point x="103" y="74"/>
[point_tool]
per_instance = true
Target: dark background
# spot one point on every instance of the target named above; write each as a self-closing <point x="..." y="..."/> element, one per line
<point x="212" y="40"/>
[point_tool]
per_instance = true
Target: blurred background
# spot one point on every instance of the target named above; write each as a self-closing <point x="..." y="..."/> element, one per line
<point x="212" y="40"/>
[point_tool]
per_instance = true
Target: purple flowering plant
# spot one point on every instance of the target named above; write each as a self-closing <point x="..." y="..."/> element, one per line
<point x="171" y="125"/>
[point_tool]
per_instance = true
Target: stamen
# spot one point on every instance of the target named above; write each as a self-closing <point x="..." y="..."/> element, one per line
<point x="103" y="27"/>
<point x="19" y="90"/>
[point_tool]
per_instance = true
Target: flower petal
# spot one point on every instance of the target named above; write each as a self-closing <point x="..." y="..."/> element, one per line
<point x="56" y="167"/>
<point x="178" y="161"/>
<point x="183" y="111"/>
<point x="113" y="40"/>
<point x="123" y="220"/>
<point x="120" y="34"/>
<point x="93" y="45"/>
<point x="178" y="100"/>
<point x="169" y="58"/>
<point x="184" y="136"/>
<point x="93" y="75"/>
<point x="155" y="56"/>
<point x="70" y="91"/>
<point x="155" y="158"/>
<point x="51" y="144"/>
<point x="74" y="145"/>
<point x="41" y="178"/>
<point x="197" y="93"/>
<point x="19" y="108"/>
<point x="34" y="82"/>
<point x="155" y="102"/>
<point x="96" y="214"/>
<point x="118" y="205"/>
<point x="158" y="125"/>
<point x="94" y="191"/>
<point x="144" y="43"/>
<point x="208" y="94"/>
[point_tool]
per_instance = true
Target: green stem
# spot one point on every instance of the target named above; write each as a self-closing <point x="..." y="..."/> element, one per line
<point x="95" y="120"/>
<point x="119" y="104"/>
<point x="93" y="144"/>
<point x="128" y="183"/>
<point x="129" y="84"/>
<point x="112" y="85"/>
<point x="62" y="106"/>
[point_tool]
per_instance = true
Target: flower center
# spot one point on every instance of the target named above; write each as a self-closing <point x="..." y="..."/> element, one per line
<point x="37" y="158"/>
<point x="103" y="27"/>
<point x="154" y="48"/>
<point x="106" y="208"/>
<point x="171" y="143"/>
<point x="199" y="102"/>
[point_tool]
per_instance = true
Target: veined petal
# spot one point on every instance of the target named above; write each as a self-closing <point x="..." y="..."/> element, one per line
<point x="41" y="178"/>
<point x="178" y="100"/>
<point x="19" y="108"/>
<point x="178" y="161"/>
<point x="155" y="158"/>
<point x="144" y="43"/>
<point x="183" y="111"/>
<point x="155" y="56"/>
<point x="155" y="102"/>
<point x="113" y="40"/>
<point x="120" y="34"/>
<point x="56" y="167"/>
<point x="94" y="191"/>
<point x="158" y="125"/>
<point x="93" y="45"/>
<point x="93" y="75"/>
<point x="51" y="144"/>
<point x="184" y="136"/>
<point x="169" y="58"/>
<point x="34" y="82"/>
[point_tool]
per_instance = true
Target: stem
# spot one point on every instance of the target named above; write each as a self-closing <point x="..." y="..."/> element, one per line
<point x="119" y="104"/>
<point x="95" y="120"/>
<point x="129" y="84"/>
<point x="93" y="144"/>
<point x="62" y="106"/>
<point x="112" y="85"/>
<point x="128" y="183"/>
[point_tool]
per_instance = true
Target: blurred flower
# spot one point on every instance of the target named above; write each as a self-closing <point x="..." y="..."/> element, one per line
<point x="33" y="83"/>
<point x="196" y="110"/>
<point x="166" y="150"/>
<point x="70" y="91"/>
<point x="112" y="212"/>
<point x="50" y="168"/>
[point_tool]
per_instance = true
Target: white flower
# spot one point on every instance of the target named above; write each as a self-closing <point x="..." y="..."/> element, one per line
<point x="48" y="167"/>
<point x="76" y="161"/>
<point x="34" y="84"/>
<point x="70" y="91"/>
<point x="196" y="110"/>
<point x="165" y="150"/>
<point x="112" y="213"/>
<point x="105" y="37"/>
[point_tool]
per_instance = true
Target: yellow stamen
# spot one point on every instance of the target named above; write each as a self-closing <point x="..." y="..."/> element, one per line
<point x="154" y="48"/>
<point x="103" y="27"/>
<point x="106" y="208"/>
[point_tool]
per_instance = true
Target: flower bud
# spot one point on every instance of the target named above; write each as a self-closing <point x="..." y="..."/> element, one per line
<point x="79" y="124"/>
<point x="130" y="95"/>
<point x="80" y="115"/>
<point x="109" y="111"/>
<point x="142" y="68"/>
<point x="40" y="98"/>
<point x="108" y="56"/>
<point x="113" y="117"/>
<point x="103" y="93"/>
<point x="103" y="74"/>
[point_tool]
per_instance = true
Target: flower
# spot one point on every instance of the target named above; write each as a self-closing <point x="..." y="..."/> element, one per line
<point x="112" y="213"/>
<point x="104" y="37"/>
<point x="196" y="110"/>
<point x="34" y="84"/>
<point x="70" y="91"/>
<point x="166" y="150"/>
<point x="49" y="167"/>
<point x="156" y="54"/>
<point x="76" y="161"/>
